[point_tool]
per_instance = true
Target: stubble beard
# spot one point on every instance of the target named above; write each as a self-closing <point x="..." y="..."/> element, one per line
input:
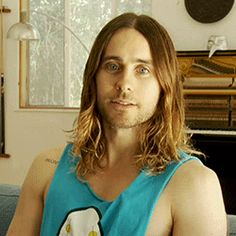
<point x="124" y="120"/>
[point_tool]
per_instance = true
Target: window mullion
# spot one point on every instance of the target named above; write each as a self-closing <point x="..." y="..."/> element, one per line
<point x="67" y="55"/>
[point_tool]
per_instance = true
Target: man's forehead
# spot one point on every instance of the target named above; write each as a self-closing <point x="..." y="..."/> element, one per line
<point x="128" y="44"/>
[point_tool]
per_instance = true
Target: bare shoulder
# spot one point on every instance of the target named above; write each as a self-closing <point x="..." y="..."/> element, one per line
<point x="196" y="200"/>
<point x="194" y="168"/>
<point x="194" y="179"/>
<point x="194" y="173"/>
<point x="45" y="162"/>
<point x="50" y="155"/>
<point x="28" y="215"/>
<point x="44" y="166"/>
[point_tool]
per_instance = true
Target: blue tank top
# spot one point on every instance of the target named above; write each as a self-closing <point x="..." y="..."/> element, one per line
<point x="73" y="209"/>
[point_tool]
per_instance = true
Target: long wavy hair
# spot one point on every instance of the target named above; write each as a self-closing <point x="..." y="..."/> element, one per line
<point x="163" y="135"/>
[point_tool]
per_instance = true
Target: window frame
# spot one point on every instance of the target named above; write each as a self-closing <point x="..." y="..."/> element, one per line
<point x="24" y="62"/>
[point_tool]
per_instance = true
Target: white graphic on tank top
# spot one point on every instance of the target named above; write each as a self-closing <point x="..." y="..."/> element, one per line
<point x="84" y="222"/>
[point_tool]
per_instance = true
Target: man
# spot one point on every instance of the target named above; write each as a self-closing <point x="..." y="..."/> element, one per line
<point x="127" y="171"/>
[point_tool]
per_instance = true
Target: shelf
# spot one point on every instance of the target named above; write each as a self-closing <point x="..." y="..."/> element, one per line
<point x="210" y="92"/>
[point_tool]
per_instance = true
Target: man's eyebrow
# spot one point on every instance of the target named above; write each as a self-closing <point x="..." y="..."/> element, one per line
<point x="117" y="58"/>
<point x="107" y="58"/>
<point x="149" y="62"/>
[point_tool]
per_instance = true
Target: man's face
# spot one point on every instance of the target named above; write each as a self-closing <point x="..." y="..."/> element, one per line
<point x="127" y="87"/>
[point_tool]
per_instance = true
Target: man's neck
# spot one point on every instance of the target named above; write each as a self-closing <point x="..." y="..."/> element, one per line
<point x="122" y="144"/>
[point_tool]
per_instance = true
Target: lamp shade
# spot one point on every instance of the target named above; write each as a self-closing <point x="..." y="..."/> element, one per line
<point x="23" y="31"/>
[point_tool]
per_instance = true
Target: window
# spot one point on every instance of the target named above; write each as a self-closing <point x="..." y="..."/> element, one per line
<point x="52" y="68"/>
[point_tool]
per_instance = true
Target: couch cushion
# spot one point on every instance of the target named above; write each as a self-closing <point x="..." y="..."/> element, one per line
<point x="8" y="199"/>
<point x="231" y="225"/>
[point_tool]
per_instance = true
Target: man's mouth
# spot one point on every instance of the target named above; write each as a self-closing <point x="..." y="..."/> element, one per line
<point x="123" y="102"/>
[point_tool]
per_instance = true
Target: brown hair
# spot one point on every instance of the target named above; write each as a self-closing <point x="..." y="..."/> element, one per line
<point x="163" y="135"/>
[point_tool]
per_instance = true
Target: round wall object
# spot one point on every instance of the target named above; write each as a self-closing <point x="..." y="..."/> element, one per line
<point x="208" y="11"/>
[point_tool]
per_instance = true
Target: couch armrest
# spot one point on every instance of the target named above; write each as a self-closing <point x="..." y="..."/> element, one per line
<point x="8" y="199"/>
<point x="231" y="225"/>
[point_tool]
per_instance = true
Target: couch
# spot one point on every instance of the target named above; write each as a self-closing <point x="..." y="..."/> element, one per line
<point x="8" y="199"/>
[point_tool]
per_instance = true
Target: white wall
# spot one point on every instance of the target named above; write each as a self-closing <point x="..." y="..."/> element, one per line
<point x="28" y="132"/>
<point x="189" y="34"/>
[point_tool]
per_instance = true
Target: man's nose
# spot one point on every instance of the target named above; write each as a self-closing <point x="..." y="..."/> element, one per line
<point x="125" y="81"/>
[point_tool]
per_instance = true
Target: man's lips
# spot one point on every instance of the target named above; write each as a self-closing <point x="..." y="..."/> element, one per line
<point x="121" y="104"/>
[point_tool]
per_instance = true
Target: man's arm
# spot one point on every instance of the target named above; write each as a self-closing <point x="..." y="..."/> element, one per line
<point x="28" y="216"/>
<point x="198" y="207"/>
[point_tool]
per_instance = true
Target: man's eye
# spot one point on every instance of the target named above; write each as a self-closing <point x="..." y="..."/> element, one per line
<point x="143" y="70"/>
<point x="112" y="67"/>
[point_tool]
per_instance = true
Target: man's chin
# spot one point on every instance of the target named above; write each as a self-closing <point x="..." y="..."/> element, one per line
<point x="123" y="124"/>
